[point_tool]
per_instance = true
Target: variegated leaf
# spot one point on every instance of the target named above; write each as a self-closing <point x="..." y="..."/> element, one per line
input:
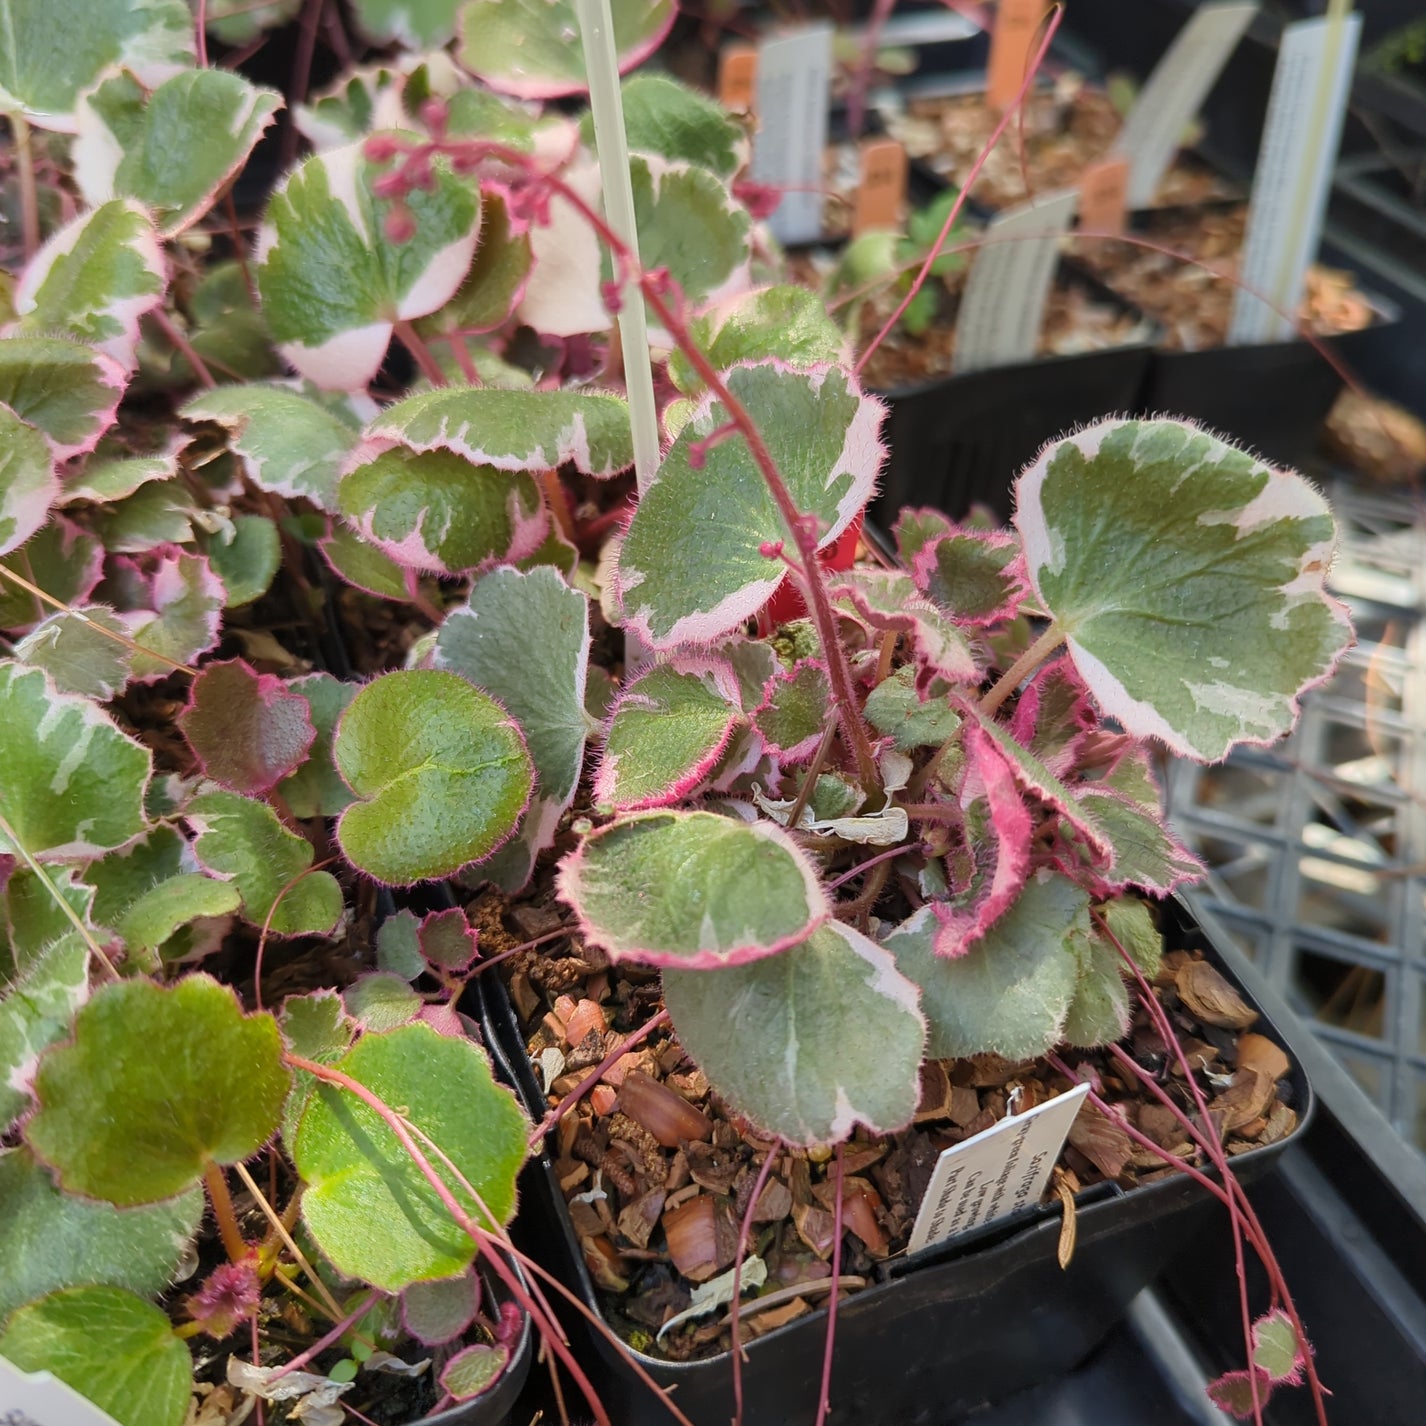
<point x="28" y="483"/>
<point x="888" y="601"/>
<point x="65" y="389"/>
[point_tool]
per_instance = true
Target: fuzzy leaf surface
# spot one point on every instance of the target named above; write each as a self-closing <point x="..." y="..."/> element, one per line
<point x="474" y="1370"/>
<point x="434" y="510"/>
<point x="1188" y="579"/>
<point x="71" y="784"/>
<point x="164" y="909"/>
<point x="67" y="390"/>
<point x="692" y="889"/>
<point x="488" y="640"/>
<point x="440" y="771"/>
<point x="247" y="563"/>
<point x="795" y="711"/>
<point x="95" y="278"/>
<point x="248" y="731"/>
<point x="667" y="730"/>
<point x="1132" y="924"/>
<point x="62" y="559"/>
<point x="975" y="575"/>
<point x="887" y="599"/>
<point x="317" y="1027"/>
<point x="897" y="711"/>
<point x="28" y="483"/>
<point x="242" y="839"/>
<point x="332" y="287"/>
<point x="76" y="655"/>
<point x="316" y="789"/>
<point x="499" y="271"/>
<point x="438" y="1312"/>
<point x="366" y="1203"/>
<point x="363" y="565"/>
<point x="415" y="23"/>
<point x="664" y="117"/>
<point x="809" y="1043"/>
<point x="172" y="607"/>
<point x="531" y="49"/>
<point x="114" y="1129"/>
<point x="50" y="1239"/>
<point x="35" y="1011"/>
<point x="172" y="149"/>
<point x="515" y="430"/>
<point x="113" y="1348"/>
<point x="1009" y="993"/>
<point x="1099" y="1012"/>
<point x="690" y="568"/>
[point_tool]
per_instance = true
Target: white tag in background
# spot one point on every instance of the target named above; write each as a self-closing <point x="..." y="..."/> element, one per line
<point x="1003" y="305"/>
<point x="794" y="86"/>
<point x="39" y="1399"/>
<point x="1174" y="93"/>
<point x="1300" y="140"/>
<point x="997" y="1171"/>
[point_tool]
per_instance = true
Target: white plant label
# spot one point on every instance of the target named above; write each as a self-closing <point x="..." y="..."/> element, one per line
<point x="997" y="1171"/>
<point x="1304" y="128"/>
<point x="794" y="85"/>
<point x="1173" y="94"/>
<point x="39" y="1399"/>
<point x="1008" y="285"/>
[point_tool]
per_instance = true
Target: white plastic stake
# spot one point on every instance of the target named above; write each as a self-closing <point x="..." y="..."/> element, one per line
<point x="601" y="63"/>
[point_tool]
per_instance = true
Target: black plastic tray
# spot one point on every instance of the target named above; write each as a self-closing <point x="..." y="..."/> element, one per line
<point x="967" y="1323"/>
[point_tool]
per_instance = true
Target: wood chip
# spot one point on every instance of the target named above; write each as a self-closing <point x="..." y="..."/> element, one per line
<point x="1264" y="1055"/>
<point x="1209" y="996"/>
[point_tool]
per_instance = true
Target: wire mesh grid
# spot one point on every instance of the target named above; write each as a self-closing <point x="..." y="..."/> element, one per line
<point x="1317" y="845"/>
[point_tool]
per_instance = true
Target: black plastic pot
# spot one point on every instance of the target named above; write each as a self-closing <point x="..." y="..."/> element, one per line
<point x="495" y="1406"/>
<point x="965" y="1323"/>
<point x="961" y="440"/>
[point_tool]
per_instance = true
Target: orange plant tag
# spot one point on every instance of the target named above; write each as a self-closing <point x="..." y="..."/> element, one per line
<point x="1016" y="22"/>
<point x="737" y="77"/>
<point x="882" y="187"/>
<point x="1103" y="198"/>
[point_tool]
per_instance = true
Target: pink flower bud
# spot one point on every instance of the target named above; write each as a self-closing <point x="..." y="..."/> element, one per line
<point x="381" y="148"/>
<point x="399" y="225"/>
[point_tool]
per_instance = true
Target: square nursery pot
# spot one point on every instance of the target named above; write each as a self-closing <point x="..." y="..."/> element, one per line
<point x="960" y="440"/>
<point x="967" y="1322"/>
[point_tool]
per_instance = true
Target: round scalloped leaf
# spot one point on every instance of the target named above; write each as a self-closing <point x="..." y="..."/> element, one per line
<point x="1098" y="1014"/>
<point x="790" y="323"/>
<point x="35" y="1011"/>
<point x="796" y="708"/>
<point x="1187" y="577"/>
<point x="666" y="733"/>
<point x="71" y="648"/>
<point x="332" y="285"/>
<point x="289" y="444"/>
<point x="62" y="559"/>
<point x="473" y="1370"/>
<point x="67" y="390"/>
<point x="488" y="640"/>
<point x="315" y="789"/>
<point x="164" y="909"/>
<point x="247" y="730"/>
<point x="113" y="1348"/>
<point x="691" y="567"/>
<point x="809" y="1043"/>
<point x="440" y="771"/>
<point x="364" y="566"/>
<point x="1010" y="992"/>
<point x="972" y="574"/>
<point x="113" y="1126"/>
<point x="515" y="430"/>
<point x="179" y="607"/>
<point x="435" y="1313"/>
<point x="692" y="889"/>
<point x="897" y="711"/>
<point x="887" y="599"/>
<point x="71" y="784"/>
<point x="366" y="1203"/>
<point x="664" y="117"/>
<point x="55" y="48"/>
<point x="247" y="562"/>
<point x="50" y="1239"/>
<point x="317" y="1028"/>
<point x="28" y="483"/>
<point x="242" y="839"/>
<point x="531" y="48"/>
<point x="416" y="24"/>
<point x="434" y="510"/>
<point x="172" y="149"/>
<point x="94" y="279"/>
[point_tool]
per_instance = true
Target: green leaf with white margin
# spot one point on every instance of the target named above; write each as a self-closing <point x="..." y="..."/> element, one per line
<point x="28" y="483"/>
<point x="440" y="771"/>
<point x="33" y="918"/>
<point x="810" y="1043"/>
<point x="71" y="648"/>
<point x="531" y="49"/>
<point x="795" y="711"/>
<point x="247" y="561"/>
<point x="179" y="613"/>
<point x="367" y="1205"/>
<point x="157" y="513"/>
<point x="107" y="478"/>
<point x="1011" y="992"/>
<point x="111" y="1128"/>
<point x="332" y="285"/>
<point x="35" y="1011"/>
<point x="315" y="789"/>
<point x="488" y="640"/>
<point x="166" y="908"/>
<point x="55" y="48"/>
<point x="60" y="558"/>
<point x="515" y="430"/>
<point x="496" y="280"/>
<point x="668" y="728"/>
<point x="363" y="98"/>
<point x="235" y="22"/>
<point x="71" y="784"/>
<point x="1099" y="1012"/>
<point x="692" y="889"/>
<point x="664" y="117"/>
<point x="433" y="510"/>
<point x="790" y="323"/>
<point x="67" y="390"/>
<point x="1131" y="923"/>
<point x="1187" y="578"/>
<point x="413" y="23"/>
<point x="94" y="279"/>
<point x="113" y="1348"/>
<point x="888" y="600"/>
<point x="50" y="1239"/>
<point x="691" y="567"/>
<point x="241" y="838"/>
<point x="289" y="444"/>
<point x="172" y="149"/>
